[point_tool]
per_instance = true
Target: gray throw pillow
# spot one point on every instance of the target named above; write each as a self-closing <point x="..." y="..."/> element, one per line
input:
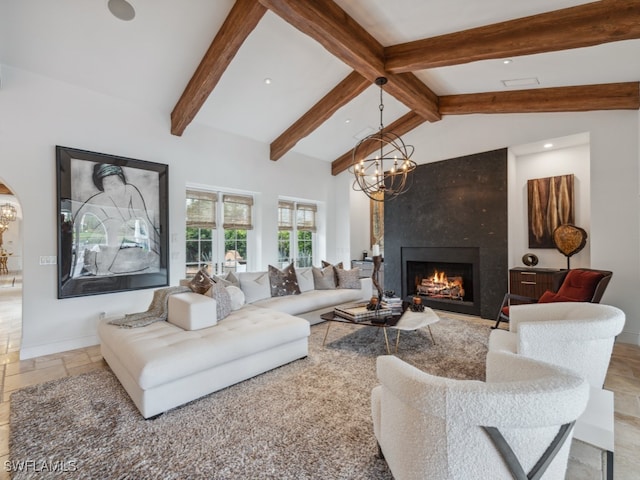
<point x="305" y="279"/>
<point x="283" y="282"/>
<point x="349" y="278"/>
<point x="223" y="300"/>
<point x="227" y="279"/>
<point x="325" y="278"/>
<point x="201" y="282"/>
<point x="336" y="267"/>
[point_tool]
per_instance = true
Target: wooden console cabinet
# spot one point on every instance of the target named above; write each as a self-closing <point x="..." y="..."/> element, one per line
<point x="533" y="282"/>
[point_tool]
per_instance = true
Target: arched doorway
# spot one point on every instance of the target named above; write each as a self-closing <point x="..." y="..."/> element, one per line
<point x="10" y="274"/>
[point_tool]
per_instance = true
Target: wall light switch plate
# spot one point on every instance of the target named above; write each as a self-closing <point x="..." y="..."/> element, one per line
<point x="48" y="260"/>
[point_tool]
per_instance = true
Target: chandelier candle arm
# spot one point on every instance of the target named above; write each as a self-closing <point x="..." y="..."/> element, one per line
<point x="388" y="172"/>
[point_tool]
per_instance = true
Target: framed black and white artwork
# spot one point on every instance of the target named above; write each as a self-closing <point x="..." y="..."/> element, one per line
<point x="112" y="223"/>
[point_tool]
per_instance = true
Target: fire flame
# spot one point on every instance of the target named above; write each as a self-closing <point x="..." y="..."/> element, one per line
<point x="439" y="277"/>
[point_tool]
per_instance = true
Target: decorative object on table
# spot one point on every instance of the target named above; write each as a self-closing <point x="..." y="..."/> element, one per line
<point x="373" y="303"/>
<point x="387" y="171"/>
<point x="416" y="305"/>
<point x="569" y="240"/>
<point x="358" y="312"/>
<point x="389" y="300"/>
<point x="112" y="223"/>
<point x="530" y="260"/>
<point x="550" y="204"/>
<point x="377" y="261"/>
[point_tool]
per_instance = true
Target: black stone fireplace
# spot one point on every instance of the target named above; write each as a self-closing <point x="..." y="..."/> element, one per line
<point x="454" y="216"/>
<point x="445" y="278"/>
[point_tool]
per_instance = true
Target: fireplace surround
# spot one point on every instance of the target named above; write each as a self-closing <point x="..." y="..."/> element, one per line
<point x="459" y="205"/>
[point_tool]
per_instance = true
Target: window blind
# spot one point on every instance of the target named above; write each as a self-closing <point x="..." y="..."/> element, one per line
<point x="237" y="212"/>
<point x="306" y="216"/>
<point x="285" y="215"/>
<point x="201" y="209"/>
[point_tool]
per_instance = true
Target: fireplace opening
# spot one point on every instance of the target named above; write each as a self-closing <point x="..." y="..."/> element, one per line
<point x="441" y="281"/>
<point x="446" y="278"/>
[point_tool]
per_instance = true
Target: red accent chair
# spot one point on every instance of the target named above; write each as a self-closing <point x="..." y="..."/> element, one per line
<point x="579" y="285"/>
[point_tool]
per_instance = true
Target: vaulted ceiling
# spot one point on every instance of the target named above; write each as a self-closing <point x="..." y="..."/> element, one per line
<point x="204" y="62"/>
<point x="331" y="26"/>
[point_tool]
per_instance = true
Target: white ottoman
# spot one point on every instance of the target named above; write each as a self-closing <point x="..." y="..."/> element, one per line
<point x="192" y="311"/>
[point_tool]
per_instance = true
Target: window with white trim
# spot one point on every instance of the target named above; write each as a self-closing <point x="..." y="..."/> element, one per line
<point x="218" y="248"/>
<point x="296" y="233"/>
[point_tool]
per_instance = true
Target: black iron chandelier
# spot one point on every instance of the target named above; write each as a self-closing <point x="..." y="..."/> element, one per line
<point x="382" y="162"/>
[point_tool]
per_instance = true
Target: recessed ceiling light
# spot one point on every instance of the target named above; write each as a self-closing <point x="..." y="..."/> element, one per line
<point x="521" y="82"/>
<point x="507" y="61"/>
<point x="348" y="120"/>
<point x="121" y="9"/>
<point x="548" y="145"/>
<point x="267" y="81"/>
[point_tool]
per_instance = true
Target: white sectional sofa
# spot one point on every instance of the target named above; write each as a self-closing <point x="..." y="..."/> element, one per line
<point x="167" y="364"/>
<point x="309" y="303"/>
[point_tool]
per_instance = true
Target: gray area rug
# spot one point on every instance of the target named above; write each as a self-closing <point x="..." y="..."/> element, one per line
<point x="306" y="420"/>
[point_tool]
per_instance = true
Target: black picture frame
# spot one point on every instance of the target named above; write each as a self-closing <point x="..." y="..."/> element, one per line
<point x="113" y="223"/>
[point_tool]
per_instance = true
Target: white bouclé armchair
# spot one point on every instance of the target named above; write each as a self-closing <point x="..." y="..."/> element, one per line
<point x="575" y="335"/>
<point x="429" y="427"/>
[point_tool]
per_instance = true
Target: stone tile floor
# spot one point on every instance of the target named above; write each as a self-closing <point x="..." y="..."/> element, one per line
<point x="623" y="378"/>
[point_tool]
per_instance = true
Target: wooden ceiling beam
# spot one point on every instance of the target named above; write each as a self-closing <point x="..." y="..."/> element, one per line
<point x="341" y="35"/>
<point x="241" y="21"/>
<point x="613" y="96"/>
<point x="581" y="26"/>
<point x="335" y="30"/>
<point x="403" y="125"/>
<point x="348" y="89"/>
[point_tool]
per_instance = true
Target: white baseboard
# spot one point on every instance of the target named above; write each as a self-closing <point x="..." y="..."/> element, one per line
<point x="57" y="347"/>
<point x="629" y="337"/>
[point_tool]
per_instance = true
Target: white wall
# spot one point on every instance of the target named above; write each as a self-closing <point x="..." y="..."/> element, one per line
<point x="37" y="113"/>
<point x="572" y="160"/>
